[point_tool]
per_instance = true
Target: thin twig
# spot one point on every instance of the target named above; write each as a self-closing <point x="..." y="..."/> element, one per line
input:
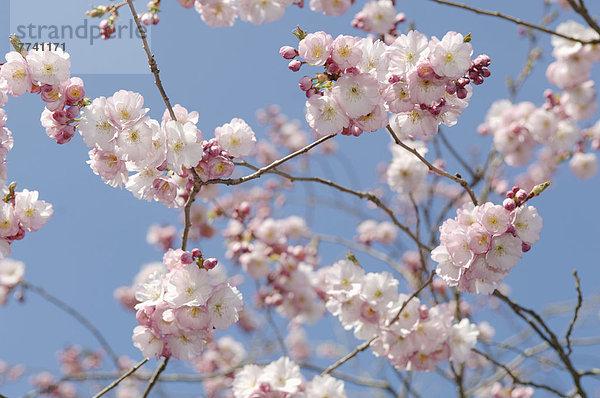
<point x="186" y="210"/>
<point x="456" y="155"/>
<point x="434" y="169"/>
<point x="412" y="296"/>
<point x="156" y="375"/>
<point x="363" y="195"/>
<point x="381" y="384"/>
<point x="516" y="20"/>
<point x="370" y="251"/>
<point x="349" y="356"/>
<point x="547" y="335"/>
<point x="263" y="170"/>
<point x="120" y="379"/>
<point x="515" y="378"/>
<point x="575" y="314"/>
<point x="151" y="61"/>
<point x="580" y="8"/>
<point x="276" y="331"/>
<point x="75" y="314"/>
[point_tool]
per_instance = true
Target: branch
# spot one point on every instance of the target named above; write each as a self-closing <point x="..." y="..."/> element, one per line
<point x="517" y="20"/>
<point x="349" y="356"/>
<point x="369" y="250"/>
<point x="363" y="195"/>
<point x="456" y="155"/>
<point x="582" y="10"/>
<point x="515" y="378"/>
<point x="186" y="210"/>
<point x="120" y="379"/>
<point x="576" y="313"/>
<point x="75" y="314"/>
<point x="412" y="296"/>
<point x="156" y="374"/>
<point x="550" y="338"/>
<point x="151" y="61"/>
<point x="374" y="383"/>
<point x="431" y="167"/>
<point x="261" y="171"/>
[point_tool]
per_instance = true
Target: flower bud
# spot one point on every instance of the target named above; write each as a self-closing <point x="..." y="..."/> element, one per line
<point x="521" y="195"/>
<point x="294" y="65"/>
<point x="305" y="83"/>
<point x="288" y="52"/>
<point x="210" y="263"/>
<point x="509" y="204"/>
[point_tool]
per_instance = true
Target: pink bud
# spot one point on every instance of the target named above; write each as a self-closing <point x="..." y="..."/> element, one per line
<point x="72" y="112"/>
<point x="65" y="134"/>
<point x="509" y="204"/>
<point x="60" y="117"/>
<point x="333" y="68"/>
<point x="525" y="247"/>
<point x="311" y="92"/>
<point x="393" y="79"/>
<point x="451" y="88"/>
<point x="210" y="263"/>
<point x="294" y="65"/>
<point x="305" y="83"/>
<point x="510" y="194"/>
<point x="515" y="189"/>
<point x="288" y="52"/>
<point x="186" y="258"/>
<point x="521" y="195"/>
<point x="461" y="93"/>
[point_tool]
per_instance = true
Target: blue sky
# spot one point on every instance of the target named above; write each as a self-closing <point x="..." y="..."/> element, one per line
<point x="96" y="240"/>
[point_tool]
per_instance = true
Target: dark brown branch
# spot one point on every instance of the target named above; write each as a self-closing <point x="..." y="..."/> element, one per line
<point x="515" y="378"/>
<point x="580" y="8"/>
<point x="363" y="195"/>
<point x="151" y="61"/>
<point x="515" y="20"/>
<point x="537" y="323"/>
<point x="273" y="165"/>
<point x="434" y="169"/>
<point x="575" y="314"/>
<point x="412" y="296"/>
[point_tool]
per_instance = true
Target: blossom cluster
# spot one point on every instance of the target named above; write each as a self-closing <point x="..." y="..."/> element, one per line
<point x="422" y="82"/>
<point x="497" y="390"/>
<point x="482" y="243"/>
<point x="410" y="334"/>
<point x="370" y="231"/>
<point x="125" y="140"/>
<point x="379" y="17"/>
<point x="518" y="129"/>
<point x="179" y="307"/>
<point x="11" y="274"/>
<point x="261" y="242"/>
<point x="406" y="174"/>
<point x="282" y="378"/>
<point x="47" y="73"/>
<point x="219" y="355"/>
<point x="20" y="212"/>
